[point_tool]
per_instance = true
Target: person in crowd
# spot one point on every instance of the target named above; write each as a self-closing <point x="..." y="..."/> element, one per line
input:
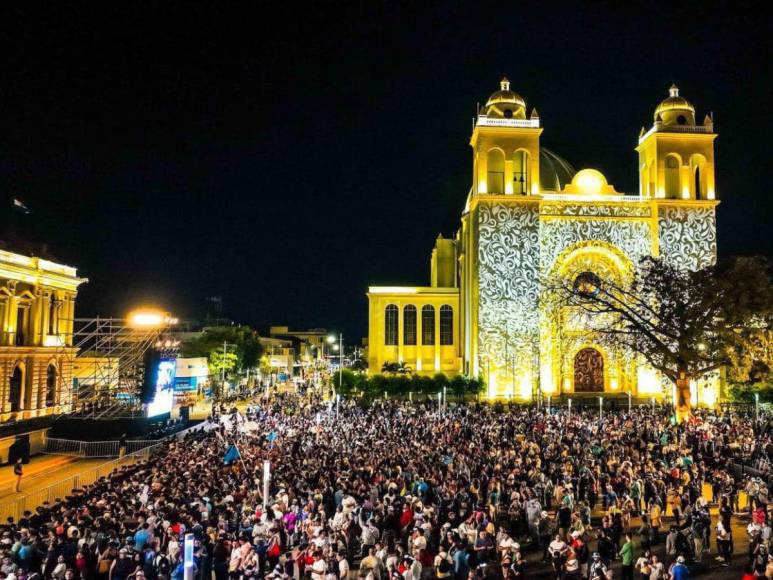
<point x="396" y="490"/>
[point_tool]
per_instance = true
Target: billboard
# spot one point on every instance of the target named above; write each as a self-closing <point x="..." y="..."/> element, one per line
<point x="162" y="385"/>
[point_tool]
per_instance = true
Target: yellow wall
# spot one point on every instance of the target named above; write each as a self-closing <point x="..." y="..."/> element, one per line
<point x="423" y="359"/>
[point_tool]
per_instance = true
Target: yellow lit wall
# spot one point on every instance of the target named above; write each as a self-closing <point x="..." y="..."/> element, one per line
<point x="423" y="359"/>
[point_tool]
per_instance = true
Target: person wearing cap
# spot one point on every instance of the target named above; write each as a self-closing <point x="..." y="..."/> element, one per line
<point x="597" y="570"/>
<point x="679" y="571"/>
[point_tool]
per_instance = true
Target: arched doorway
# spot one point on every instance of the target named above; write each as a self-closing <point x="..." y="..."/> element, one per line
<point x="14" y="394"/>
<point x="51" y="386"/>
<point x="588" y="371"/>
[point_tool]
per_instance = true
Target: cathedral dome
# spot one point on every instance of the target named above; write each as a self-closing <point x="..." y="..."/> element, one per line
<point x="554" y="171"/>
<point x="506" y="103"/>
<point x="675" y="110"/>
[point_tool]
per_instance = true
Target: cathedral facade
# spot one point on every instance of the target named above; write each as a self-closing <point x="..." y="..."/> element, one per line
<point x="530" y="216"/>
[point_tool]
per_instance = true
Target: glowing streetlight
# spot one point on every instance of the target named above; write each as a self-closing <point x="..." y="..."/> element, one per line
<point x="149" y="318"/>
<point x="331" y="339"/>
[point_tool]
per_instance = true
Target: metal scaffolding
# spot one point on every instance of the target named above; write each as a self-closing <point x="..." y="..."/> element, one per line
<point x="109" y="365"/>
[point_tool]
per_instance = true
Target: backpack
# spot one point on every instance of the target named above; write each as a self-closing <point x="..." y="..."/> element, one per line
<point x="444" y="566"/>
<point x="163" y="565"/>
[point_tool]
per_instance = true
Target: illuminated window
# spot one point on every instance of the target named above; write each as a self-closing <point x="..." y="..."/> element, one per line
<point x="390" y="325"/>
<point x="428" y="325"/>
<point x="409" y="325"/>
<point x="446" y="325"/>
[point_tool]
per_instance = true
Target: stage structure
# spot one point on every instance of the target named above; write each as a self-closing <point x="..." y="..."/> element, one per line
<point x="117" y="360"/>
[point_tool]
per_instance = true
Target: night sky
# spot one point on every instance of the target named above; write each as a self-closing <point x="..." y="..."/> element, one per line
<point x="286" y="157"/>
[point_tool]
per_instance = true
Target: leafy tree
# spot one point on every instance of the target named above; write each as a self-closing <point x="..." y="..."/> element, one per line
<point x="242" y="340"/>
<point x="360" y="365"/>
<point x="346" y="382"/>
<point x="683" y="323"/>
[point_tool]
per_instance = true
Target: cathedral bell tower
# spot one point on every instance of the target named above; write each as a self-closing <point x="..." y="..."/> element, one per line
<point x="505" y="146"/>
<point x="676" y="156"/>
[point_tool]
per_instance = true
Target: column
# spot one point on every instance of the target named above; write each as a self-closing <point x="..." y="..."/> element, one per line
<point x="46" y="307"/>
<point x="400" y="323"/>
<point x="437" y="339"/>
<point x="36" y="318"/>
<point x="13" y="311"/>
<point x="69" y="319"/>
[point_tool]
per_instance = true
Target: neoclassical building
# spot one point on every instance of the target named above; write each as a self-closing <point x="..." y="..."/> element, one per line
<point x="530" y="216"/>
<point x="37" y="308"/>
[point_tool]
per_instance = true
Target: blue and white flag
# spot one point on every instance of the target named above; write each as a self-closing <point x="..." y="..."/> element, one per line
<point x="231" y="455"/>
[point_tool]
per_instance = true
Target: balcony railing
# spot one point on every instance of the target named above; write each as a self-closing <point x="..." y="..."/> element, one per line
<point x="659" y="128"/>
<point x="485" y="121"/>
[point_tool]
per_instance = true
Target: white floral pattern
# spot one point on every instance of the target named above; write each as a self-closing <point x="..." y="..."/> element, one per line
<point x="688" y="236"/>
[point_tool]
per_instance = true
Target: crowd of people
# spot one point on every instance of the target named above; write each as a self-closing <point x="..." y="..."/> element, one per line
<point x="402" y="491"/>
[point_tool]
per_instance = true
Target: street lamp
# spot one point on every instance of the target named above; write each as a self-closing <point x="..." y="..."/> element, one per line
<point x="601" y="409"/>
<point x="331" y="340"/>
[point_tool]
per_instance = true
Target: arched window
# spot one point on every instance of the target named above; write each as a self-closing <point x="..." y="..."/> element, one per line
<point x="14" y="392"/>
<point x="390" y="325"/>
<point x="428" y="325"/>
<point x="521" y="177"/>
<point x="51" y="386"/>
<point x="409" y="325"/>
<point x="698" y="167"/>
<point x="672" y="177"/>
<point x="446" y="325"/>
<point x="53" y="315"/>
<point x="495" y="180"/>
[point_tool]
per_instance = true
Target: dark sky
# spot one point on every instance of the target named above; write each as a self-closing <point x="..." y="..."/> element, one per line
<point x="286" y="157"/>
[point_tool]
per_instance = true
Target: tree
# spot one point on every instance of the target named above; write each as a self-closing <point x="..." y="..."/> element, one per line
<point x="242" y="342"/>
<point x="683" y="323"/>
<point x="360" y="365"/>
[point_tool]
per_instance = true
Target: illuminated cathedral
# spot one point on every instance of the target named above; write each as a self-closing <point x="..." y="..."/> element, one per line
<point x="529" y="216"/>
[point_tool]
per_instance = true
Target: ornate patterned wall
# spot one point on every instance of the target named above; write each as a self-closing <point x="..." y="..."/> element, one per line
<point x="688" y="236"/>
<point x="518" y="243"/>
<point x="508" y="261"/>
<point x="630" y="237"/>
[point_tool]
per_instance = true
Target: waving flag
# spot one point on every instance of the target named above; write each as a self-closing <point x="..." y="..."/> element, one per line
<point x="231" y="455"/>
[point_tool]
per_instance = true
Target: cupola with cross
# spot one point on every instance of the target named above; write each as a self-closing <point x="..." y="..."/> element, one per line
<point x="505" y="143"/>
<point x="676" y="156"/>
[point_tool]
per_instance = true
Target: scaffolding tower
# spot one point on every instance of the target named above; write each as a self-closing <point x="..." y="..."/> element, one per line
<point x="109" y="365"/>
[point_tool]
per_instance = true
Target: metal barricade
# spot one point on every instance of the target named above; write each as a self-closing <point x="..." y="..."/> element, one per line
<point x="16" y="507"/>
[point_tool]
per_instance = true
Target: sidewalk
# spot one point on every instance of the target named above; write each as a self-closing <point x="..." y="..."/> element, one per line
<point x="42" y="471"/>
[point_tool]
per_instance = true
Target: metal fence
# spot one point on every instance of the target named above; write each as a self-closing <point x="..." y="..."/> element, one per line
<point x="15" y="507"/>
<point x="75" y="448"/>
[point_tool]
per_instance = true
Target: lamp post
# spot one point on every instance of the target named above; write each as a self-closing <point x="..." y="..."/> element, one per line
<point x="439" y="401"/>
<point x="338" y="402"/>
<point x="629" y="402"/>
<point x="570" y="409"/>
<point x="445" y="399"/>
<point x="757" y="407"/>
<point x="549" y="400"/>
<point x="331" y="339"/>
<point x="266" y="479"/>
<point x="601" y="409"/>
